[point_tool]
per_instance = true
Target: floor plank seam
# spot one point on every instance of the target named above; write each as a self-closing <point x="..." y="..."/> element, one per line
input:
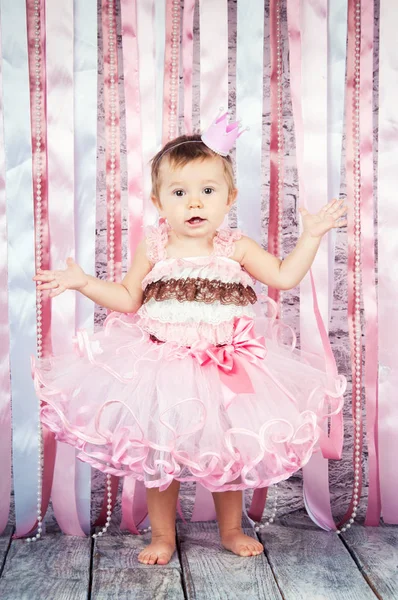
<point x="90" y="573"/>
<point x="270" y="566"/>
<point x="6" y="552"/>
<point x="183" y="586"/>
<point x="360" y="568"/>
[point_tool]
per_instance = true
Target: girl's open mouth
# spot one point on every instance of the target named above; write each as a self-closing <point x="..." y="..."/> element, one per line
<point x="195" y="221"/>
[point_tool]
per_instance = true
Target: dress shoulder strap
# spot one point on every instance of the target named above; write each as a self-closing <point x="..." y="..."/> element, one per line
<point x="224" y="241"/>
<point x="156" y="237"/>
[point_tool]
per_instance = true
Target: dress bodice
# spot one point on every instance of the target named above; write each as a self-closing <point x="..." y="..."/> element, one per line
<point x="194" y="298"/>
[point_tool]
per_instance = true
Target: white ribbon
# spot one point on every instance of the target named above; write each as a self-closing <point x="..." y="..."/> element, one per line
<point x="5" y="383"/>
<point x="313" y="119"/>
<point x="147" y="74"/>
<point x="322" y="182"/>
<point x="315" y="164"/>
<point x="213" y="17"/>
<point x="387" y="257"/>
<point x="337" y="47"/>
<point x="249" y="108"/>
<point x="160" y="36"/>
<point x="86" y="99"/>
<point x="61" y="165"/>
<point x="213" y="59"/>
<point x="21" y="260"/>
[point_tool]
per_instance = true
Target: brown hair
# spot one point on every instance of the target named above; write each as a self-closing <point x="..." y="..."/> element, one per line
<point x="181" y="153"/>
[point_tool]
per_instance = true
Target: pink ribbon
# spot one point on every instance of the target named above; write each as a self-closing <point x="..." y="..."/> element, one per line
<point x="45" y="240"/>
<point x="276" y="153"/>
<point x="113" y="195"/>
<point x="49" y="444"/>
<point x="133" y="125"/>
<point x="168" y="128"/>
<point x="232" y="372"/>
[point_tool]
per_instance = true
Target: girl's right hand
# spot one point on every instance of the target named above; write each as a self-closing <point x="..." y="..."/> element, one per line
<point x="72" y="278"/>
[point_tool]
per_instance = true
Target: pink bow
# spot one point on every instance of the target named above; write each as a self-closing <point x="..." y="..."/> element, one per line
<point x="228" y="358"/>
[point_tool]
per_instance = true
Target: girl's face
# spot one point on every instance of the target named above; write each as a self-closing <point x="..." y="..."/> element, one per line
<point x="194" y="198"/>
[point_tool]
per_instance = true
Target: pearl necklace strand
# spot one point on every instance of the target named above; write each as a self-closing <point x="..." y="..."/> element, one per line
<point x="112" y="187"/>
<point x="39" y="247"/>
<point x="112" y="108"/>
<point x="279" y="196"/>
<point x="357" y="260"/>
<point x="109" y="510"/>
<point x="175" y="42"/>
<point x="279" y="126"/>
<point x="279" y="200"/>
<point x="260" y="525"/>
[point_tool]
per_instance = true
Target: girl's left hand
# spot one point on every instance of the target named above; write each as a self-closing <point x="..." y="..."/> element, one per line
<point x="327" y="218"/>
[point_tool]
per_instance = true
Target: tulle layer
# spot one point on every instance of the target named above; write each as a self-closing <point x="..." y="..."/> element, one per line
<point x="133" y="406"/>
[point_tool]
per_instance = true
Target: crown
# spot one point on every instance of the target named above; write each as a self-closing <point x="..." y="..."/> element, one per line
<point x="221" y="135"/>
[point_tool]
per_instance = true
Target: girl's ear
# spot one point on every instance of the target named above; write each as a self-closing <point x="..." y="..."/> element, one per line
<point x="156" y="202"/>
<point x="232" y="197"/>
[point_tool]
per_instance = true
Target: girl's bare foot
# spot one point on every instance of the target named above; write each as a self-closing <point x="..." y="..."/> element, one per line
<point x="241" y="544"/>
<point x="159" y="551"/>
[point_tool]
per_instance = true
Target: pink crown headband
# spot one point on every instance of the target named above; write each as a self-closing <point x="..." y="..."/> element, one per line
<point x="219" y="136"/>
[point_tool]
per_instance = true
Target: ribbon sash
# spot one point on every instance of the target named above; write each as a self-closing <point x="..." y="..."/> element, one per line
<point x="232" y="372"/>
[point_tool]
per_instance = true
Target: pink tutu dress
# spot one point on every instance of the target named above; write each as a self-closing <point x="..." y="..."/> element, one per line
<point x="196" y="386"/>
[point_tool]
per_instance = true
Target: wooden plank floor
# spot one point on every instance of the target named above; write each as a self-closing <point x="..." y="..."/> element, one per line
<point x="299" y="561"/>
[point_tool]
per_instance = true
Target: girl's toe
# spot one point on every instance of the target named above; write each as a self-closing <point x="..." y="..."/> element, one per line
<point x="142" y="557"/>
<point x="163" y="558"/>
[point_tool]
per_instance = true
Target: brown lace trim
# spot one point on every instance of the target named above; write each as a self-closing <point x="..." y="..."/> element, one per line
<point x="200" y="290"/>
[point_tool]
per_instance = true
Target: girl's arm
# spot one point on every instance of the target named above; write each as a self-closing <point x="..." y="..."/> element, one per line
<point x="122" y="297"/>
<point x="280" y="274"/>
<point x="286" y="274"/>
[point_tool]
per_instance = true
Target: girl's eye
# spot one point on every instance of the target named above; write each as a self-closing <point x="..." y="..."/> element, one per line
<point x="178" y="193"/>
<point x="208" y="191"/>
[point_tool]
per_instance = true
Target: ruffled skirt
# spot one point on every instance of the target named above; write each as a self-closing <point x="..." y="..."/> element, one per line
<point x="133" y="406"/>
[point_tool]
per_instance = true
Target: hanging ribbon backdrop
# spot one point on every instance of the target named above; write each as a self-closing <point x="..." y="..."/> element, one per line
<point x="49" y="111"/>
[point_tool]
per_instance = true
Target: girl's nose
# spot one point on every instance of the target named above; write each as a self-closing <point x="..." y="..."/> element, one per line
<point x="195" y="202"/>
